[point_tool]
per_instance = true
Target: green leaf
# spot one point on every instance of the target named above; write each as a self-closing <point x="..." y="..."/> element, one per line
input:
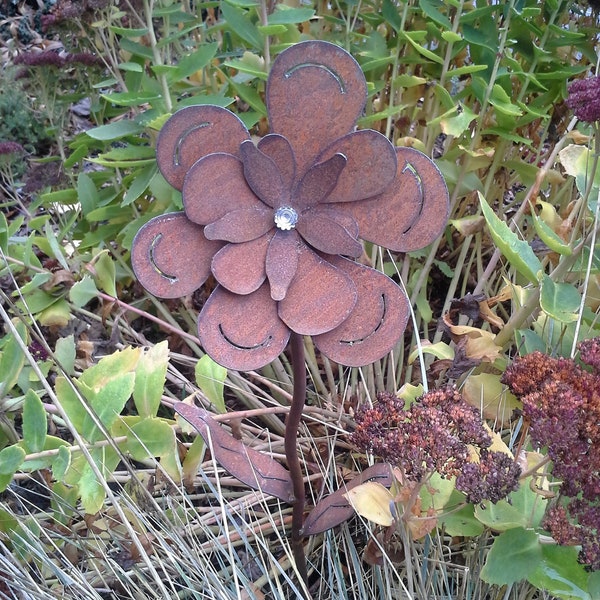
<point x="114" y="131"/>
<point x="391" y="15"/>
<point x="550" y="238"/>
<point x="193" y="459"/>
<point x="514" y="556"/>
<point x="238" y="22"/>
<point x="150" y="379"/>
<point x="11" y="458"/>
<point x="429" y="7"/>
<point x="525" y="509"/>
<point x="130" y="98"/>
<point x="107" y="404"/>
<point x="126" y="32"/>
<point x="579" y="161"/>
<point x="150" y="437"/>
<point x="3" y="233"/>
<point x="87" y="193"/>
<point x="428" y="54"/>
<point x="90" y="488"/>
<point x="251" y="96"/>
<point x="83" y="291"/>
<point x="12" y="359"/>
<point x="518" y="252"/>
<point x="561" y="301"/>
<point x="106" y="273"/>
<point x="65" y="354"/>
<point x="8" y="521"/>
<point x="500" y="100"/>
<point x="35" y="425"/>
<point x="560" y="574"/>
<point x="191" y="63"/>
<point x="41" y="461"/>
<point x="594" y="584"/>
<point x="70" y="402"/>
<point x="210" y="378"/>
<point x="437" y="492"/>
<point x="139" y="184"/>
<point x="460" y="522"/>
<point x="61" y="463"/>
<point x="106" y="386"/>
<point x="285" y="15"/>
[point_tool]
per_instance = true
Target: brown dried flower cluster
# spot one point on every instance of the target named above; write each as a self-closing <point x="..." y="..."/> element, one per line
<point x="561" y="402"/>
<point x="434" y="434"/>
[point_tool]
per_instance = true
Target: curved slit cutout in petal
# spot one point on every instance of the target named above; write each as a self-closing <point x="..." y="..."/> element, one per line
<point x="262" y="344"/>
<point x="413" y="171"/>
<point x="181" y="141"/>
<point x="339" y="80"/>
<point x="152" y="257"/>
<point x="375" y="330"/>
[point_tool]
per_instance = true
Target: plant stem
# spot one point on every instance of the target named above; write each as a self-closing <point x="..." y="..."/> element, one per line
<point x="292" y="424"/>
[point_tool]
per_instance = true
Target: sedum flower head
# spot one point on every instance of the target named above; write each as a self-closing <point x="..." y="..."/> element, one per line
<point x="584" y="99"/>
<point x="561" y="403"/>
<point x="434" y="434"/>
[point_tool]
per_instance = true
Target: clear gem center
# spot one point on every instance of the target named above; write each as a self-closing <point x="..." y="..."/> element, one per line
<point x="286" y="218"/>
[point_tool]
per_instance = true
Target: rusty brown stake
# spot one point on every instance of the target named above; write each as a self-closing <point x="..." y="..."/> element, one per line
<point x="292" y="424"/>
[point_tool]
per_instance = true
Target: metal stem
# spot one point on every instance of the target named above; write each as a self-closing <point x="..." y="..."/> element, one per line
<point x="291" y="453"/>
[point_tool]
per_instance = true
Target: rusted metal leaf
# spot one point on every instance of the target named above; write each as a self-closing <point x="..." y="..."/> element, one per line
<point x="257" y="470"/>
<point x="335" y="508"/>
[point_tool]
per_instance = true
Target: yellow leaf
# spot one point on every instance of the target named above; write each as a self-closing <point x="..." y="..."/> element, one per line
<point x="483" y="347"/>
<point x="372" y="501"/>
<point x="486" y="393"/>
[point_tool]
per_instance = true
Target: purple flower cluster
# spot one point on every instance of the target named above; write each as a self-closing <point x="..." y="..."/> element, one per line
<point x="561" y="404"/>
<point x="50" y="58"/>
<point x="8" y="147"/>
<point x="434" y="434"/>
<point x="584" y="99"/>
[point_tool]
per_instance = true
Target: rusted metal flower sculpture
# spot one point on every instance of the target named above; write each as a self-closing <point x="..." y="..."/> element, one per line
<point x="279" y="223"/>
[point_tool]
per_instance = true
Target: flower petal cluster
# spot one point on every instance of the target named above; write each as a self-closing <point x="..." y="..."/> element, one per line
<point x="279" y="223"/>
<point x="584" y="99"/>
<point x="561" y="403"/>
<point x="436" y="433"/>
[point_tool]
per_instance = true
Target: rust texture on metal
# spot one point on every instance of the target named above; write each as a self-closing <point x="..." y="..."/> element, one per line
<point x="280" y="223"/>
<point x="257" y="470"/>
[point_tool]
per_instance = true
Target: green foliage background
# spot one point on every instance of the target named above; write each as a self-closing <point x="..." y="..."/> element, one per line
<point x="129" y="501"/>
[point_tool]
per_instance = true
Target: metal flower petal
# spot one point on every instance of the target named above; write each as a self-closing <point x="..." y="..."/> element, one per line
<point x="279" y="150"/>
<point x="214" y="186"/>
<point x="315" y="93"/>
<point x="376" y="323"/>
<point x="325" y="230"/>
<point x="241" y="267"/>
<point x="263" y="175"/>
<point x="171" y="257"/>
<point x="192" y="133"/>
<point x="282" y="262"/>
<point x="242" y="332"/>
<point x="370" y="165"/>
<point x="413" y="210"/>
<point x="319" y="298"/>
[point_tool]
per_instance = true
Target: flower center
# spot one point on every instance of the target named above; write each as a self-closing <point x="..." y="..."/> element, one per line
<point x="286" y="218"/>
